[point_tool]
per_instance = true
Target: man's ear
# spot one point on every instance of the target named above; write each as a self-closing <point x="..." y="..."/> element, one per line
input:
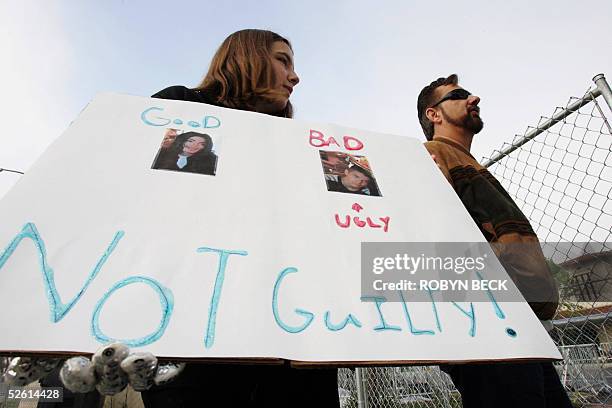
<point x="433" y="115"/>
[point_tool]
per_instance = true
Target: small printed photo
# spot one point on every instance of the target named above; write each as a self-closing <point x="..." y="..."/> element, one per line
<point x="347" y="173"/>
<point x="188" y="152"/>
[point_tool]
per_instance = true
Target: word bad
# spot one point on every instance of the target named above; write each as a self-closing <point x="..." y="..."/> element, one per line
<point x="318" y="139"/>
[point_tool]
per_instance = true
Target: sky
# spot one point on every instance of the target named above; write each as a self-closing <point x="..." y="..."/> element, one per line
<point x="361" y="63"/>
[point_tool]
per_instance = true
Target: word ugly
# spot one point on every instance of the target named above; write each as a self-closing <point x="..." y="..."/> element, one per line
<point x="362" y="223"/>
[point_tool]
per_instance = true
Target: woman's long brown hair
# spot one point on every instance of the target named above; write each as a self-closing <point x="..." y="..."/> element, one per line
<point x="240" y="72"/>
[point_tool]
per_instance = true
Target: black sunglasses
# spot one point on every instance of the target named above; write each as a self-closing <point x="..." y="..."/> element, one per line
<point x="454" y="95"/>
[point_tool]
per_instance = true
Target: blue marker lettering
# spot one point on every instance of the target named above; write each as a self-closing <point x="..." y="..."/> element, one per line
<point x="209" y="338"/>
<point x="471" y="315"/>
<point x="146" y="118"/>
<point x="409" y="320"/>
<point x="335" y="327"/>
<point x="379" y="301"/>
<point x="216" y="122"/>
<point x="165" y="298"/>
<point x="435" y="310"/>
<point x="498" y="311"/>
<point x="308" y="315"/>
<point x="57" y="308"/>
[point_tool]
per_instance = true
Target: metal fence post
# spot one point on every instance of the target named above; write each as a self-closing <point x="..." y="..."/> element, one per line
<point x="604" y="88"/>
<point x="361" y="383"/>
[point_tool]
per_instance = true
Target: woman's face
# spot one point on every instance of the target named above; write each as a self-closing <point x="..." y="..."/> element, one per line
<point x="193" y="145"/>
<point x="285" y="79"/>
<point x="169" y="137"/>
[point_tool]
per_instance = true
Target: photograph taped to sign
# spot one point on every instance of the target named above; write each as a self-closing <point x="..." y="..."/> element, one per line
<point x="190" y="152"/>
<point x="349" y="173"/>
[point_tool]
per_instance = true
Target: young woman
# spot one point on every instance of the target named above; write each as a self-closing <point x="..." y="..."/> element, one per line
<point x="252" y="70"/>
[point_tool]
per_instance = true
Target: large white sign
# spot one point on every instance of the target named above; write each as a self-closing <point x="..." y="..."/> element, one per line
<point x="191" y="230"/>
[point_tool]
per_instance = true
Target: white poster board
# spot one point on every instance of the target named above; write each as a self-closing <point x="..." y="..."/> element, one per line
<point x="259" y="260"/>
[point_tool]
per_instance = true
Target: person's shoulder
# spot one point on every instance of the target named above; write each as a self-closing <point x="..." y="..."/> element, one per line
<point x="181" y="93"/>
<point x="177" y="92"/>
<point x="435" y="146"/>
<point x="444" y="156"/>
<point x="432" y="143"/>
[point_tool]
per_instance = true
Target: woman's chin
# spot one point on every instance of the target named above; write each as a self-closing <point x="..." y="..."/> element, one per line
<point x="272" y="107"/>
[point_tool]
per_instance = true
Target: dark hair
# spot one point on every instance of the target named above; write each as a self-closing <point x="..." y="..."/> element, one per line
<point x="240" y="71"/>
<point x="179" y="142"/>
<point x="426" y="99"/>
<point x="361" y="170"/>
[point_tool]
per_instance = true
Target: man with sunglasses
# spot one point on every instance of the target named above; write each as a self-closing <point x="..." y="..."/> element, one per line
<point x="450" y="117"/>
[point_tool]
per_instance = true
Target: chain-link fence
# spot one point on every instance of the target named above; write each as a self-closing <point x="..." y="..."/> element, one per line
<point x="560" y="174"/>
<point x="414" y="387"/>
